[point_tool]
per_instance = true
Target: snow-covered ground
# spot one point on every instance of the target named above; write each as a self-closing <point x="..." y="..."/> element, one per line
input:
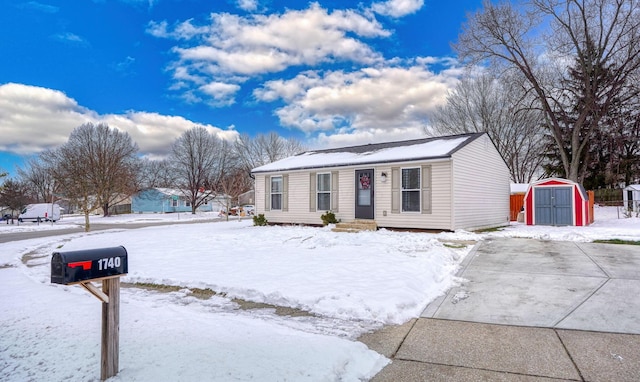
<point x="351" y="283"/>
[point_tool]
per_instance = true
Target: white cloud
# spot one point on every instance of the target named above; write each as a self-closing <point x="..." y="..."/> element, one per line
<point x="221" y="93"/>
<point x="385" y="99"/>
<point x="248" y="5"/>
<point x="232" y="47"/>
<point x="158" y="29"/>
<point x="41" y="7"/>
<point x="71" y="38"/>
<point x="365" y="136"/>
<point x="33" y="119"/>
<point x="397" y="8"/>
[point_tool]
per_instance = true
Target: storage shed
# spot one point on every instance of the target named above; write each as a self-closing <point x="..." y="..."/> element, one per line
<point x="556" y="202"/>
<point x="631" y="197"/>
<point x="439" y="183"/>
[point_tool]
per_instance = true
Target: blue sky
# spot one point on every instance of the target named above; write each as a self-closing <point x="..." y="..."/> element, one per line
<point x="329" y="73"/>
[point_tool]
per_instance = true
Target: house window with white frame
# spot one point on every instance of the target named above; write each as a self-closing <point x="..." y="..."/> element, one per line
<point x="411" y="189"/>
<point x="174" y="202"/>
<point x="276" y="192"/>
<point x="323" y="192"/>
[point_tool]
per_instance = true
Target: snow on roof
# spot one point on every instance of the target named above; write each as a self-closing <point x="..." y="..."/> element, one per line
<point x="417" y="149"/>
<point x="169" y="191"/>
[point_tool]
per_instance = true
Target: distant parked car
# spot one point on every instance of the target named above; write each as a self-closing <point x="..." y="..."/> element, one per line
<point x="40" y="212"/>
<point x="250" y="209"/>
<point x="235" y="210"/>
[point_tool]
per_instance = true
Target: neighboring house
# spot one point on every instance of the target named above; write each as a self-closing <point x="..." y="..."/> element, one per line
<point x="121" y="207"/>
<point x="165" y="200"/>
<point x="248" y="197"/>
<point x="631" y="197"/>
<point x="444" y="183"/>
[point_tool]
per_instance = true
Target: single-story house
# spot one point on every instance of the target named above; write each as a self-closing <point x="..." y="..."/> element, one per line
<point x="631" y="197"/>
<point x="165" y="200"/>
<point x="441" y="183"/>
<point x="556" y="202"/>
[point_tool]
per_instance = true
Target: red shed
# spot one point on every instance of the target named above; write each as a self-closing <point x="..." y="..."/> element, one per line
<point x="556" y="202"/>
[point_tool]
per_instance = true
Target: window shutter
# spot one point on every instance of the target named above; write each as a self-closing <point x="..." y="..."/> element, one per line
<point x="334" y="191"/>
<point x="267" y="193"/>
<point x="426" y="189"/>
<point x="395" y="190"/>
<point x="285" y="192"/>
<point x="312" y="192"/>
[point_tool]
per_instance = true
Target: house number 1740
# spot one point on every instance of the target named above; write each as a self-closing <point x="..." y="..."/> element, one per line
<point x="108" y="263"/>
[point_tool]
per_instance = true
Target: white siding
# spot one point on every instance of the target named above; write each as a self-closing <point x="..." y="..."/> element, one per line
<point x="298" y="194"/>
<point x="440" y="216"/>
<point x="481" y="186"/>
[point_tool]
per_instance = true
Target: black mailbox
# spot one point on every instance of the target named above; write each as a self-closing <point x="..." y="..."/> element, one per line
<point x="78" y="266"/>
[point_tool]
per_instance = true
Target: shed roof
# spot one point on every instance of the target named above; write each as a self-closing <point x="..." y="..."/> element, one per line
<point x="555" y="182"/>
<point x="387" y="152"/>
<point x="633" y="187"/>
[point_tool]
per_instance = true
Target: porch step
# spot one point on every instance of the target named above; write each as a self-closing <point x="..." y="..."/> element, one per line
<point x="357" y="225"/>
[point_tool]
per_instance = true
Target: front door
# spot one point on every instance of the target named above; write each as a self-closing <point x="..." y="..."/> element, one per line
<point x="364" y="194"/>
<point x="553" y="206"/>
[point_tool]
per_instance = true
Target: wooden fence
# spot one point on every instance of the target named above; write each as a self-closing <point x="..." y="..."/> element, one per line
<point x="516" y="203"/>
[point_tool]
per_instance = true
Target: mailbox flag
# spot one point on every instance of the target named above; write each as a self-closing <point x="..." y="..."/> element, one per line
<point x="86" y="265"/>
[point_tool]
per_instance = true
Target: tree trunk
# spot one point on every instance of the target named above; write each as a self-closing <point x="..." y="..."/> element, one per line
<point x="87" y="226"/>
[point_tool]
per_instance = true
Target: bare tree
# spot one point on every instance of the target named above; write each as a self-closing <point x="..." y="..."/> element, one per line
<point x="97" y="167"/>
<point x="499" y="108"/>
<point x="540" y="40"/>
<point x="13" y="195"/>
<point x="37" y="175"/>
<point x="155" y="173"/>
<point x="262" y="149"/>
<point x="72" y="176"/>
<point x="233" y="184"/>
<point x="199" y="160"/>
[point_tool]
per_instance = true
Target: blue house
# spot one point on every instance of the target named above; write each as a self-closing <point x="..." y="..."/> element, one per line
<point x="167" y="200"/>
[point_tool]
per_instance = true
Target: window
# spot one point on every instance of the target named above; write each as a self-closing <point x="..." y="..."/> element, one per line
<point x="411" y="189"/>
<point x="276" y="192"/>
<point x="174" y="202"/>
<point x="187" y="203"/>
<point x="323" y="192"/>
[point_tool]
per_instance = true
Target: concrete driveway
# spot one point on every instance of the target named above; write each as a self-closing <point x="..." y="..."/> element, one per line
<point x="566" y="285"/>
<point x="526" y="310"/>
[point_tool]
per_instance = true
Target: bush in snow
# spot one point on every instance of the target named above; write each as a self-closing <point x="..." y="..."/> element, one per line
<point x="329" y="218"/>
<point x="260" y="220"/>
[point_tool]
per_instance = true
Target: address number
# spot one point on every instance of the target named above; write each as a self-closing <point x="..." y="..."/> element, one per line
<point x="108" y="263"/>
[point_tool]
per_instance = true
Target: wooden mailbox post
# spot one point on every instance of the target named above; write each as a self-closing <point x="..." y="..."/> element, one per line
<point x="106" y="265"/>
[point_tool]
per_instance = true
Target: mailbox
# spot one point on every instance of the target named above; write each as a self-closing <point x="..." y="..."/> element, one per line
<point x="77" y="266"/>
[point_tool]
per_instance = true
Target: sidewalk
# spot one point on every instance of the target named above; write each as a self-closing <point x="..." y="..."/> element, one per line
<point x="530" y="311"/>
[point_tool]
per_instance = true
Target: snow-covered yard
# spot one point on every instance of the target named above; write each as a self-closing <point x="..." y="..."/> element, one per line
<point x="350" y="283"/>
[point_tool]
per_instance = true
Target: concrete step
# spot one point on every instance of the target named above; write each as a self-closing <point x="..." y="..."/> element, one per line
<point x="356" y="226"/>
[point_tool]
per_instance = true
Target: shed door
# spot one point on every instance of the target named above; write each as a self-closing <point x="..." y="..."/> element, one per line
<point x="364" y="194"/>
<point x="553" y="206"/>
